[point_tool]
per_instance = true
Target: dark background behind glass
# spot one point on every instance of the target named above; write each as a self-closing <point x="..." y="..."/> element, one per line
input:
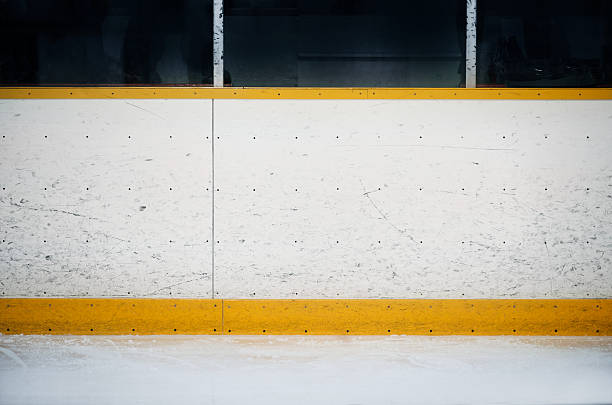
<point x="545" y="43"/>
<point x="393" y="43"/>
<point x="390" y="43"/>
<point x="72" y="42"/>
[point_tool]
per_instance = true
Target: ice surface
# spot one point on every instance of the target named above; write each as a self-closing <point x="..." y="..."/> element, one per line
<point x="304" y="370"/>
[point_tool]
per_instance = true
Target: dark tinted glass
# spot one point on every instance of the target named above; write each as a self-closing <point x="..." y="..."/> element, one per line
<point x="545" y="43"/>
<point x="388" y="43"/>
<point x="72" y="42"/>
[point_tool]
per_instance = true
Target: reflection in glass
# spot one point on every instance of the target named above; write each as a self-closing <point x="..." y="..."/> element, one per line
<point x="392" y="43"/>
<point x="544" y="43"/>
<point x="66" y="42"/>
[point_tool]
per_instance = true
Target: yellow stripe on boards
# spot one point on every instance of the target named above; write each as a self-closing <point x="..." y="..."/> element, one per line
<point x="93" y="316"/>
<point x="418" y="317"/>
<point x="305" y="93"/>
<point x="121" y="316"/>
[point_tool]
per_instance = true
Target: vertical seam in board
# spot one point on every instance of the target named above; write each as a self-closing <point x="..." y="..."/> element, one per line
<point x="213" y="240"/>
<point x="222" y="317"/>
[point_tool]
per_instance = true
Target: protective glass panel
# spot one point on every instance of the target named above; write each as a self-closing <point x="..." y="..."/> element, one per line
<point x="67" y="42"/>
<point x="392" y="43"/>
<point x="544" y="43"/>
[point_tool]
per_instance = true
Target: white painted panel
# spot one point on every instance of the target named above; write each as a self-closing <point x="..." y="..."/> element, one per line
<point x="105" y="198"/>
<point x="409" y="199"/>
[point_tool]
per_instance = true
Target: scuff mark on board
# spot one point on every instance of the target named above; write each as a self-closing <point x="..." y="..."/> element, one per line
<point x="14" y="204"/>
<point x="366" y="194"/>
<point x="145" y="110"/>
<point x="175" y="285"/>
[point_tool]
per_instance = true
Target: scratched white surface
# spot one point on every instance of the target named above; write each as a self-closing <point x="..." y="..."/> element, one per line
<point x="402" y="199"/>
<point x="126" y="210"/>
<point x="410" y="199"/>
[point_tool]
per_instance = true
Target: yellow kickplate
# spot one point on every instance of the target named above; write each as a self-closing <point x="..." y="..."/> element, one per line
<point x="68" y="316"/>
<point x="571" y="317"/>
<point x="418" y="317"/>
<point x="304" y="93"/>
